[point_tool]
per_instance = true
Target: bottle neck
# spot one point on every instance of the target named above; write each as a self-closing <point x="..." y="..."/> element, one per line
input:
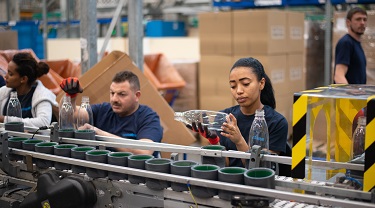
<point x="361" y="121"/>
<point x="66" y="99"/>
<point x="13" y="95"/>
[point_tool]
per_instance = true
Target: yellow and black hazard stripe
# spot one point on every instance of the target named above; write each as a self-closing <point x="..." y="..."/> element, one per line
<point x="46" y="204"/>
<point x="299" y="136"/>
<point x="369" y="172"/>
<point x="346" y="109"/>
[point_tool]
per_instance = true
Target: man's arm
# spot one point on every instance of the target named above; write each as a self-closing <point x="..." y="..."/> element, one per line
<point x="340" y="73"/>
<point x="134" y="151"/>
<point x="138" y="151"/>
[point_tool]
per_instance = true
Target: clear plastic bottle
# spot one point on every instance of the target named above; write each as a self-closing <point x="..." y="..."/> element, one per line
<point x="14" y="111"/>
<point x="212" y="119"/>
<point x="84" y="114"/>
<point x="66" y="119"/>
<point x="359" y="138"/>
<point x="258" y="134"/>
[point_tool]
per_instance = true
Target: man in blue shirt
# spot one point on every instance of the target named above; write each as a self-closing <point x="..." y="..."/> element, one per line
<point x="123" y="117"/>
<point x="350" y="60"/>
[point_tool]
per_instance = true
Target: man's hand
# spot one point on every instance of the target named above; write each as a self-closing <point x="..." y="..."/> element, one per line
<point x="203" y="130"/>
<point x="71" y="86"/>
<point x="88" y="126"/>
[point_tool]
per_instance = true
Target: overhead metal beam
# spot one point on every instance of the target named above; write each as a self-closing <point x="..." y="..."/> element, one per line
<point x="112" y="26"/>
<point x="68" y="6"/>
<point x="135" y="18"/>
<point x="45" y="28"/>
<point x="88" y="29"/>
<point x="8" y="10"/>
<point x="328" y="44"/>
<point x="118" y="28"/>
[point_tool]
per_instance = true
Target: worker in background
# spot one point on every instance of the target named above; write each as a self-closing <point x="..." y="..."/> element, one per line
<point x="252" y="89"/>
<point x="350" y="59"/>
<point x="36" y="100"/>
<point x="123" y="117"/>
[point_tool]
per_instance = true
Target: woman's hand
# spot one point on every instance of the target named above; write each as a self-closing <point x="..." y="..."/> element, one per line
<point x="231" y="130"/>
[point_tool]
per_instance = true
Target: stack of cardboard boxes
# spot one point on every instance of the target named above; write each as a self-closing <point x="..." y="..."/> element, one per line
<point x="274" y="37"/>
<point x="368" y="44"/>
<point x="216" y="49"/>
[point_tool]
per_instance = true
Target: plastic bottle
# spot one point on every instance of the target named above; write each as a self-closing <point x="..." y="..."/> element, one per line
<point x="359" y="138"/>
<point x="66" y="119"/>
<point x="212" y="119"/>
<point x="14" y="111"/>
<point x="258" y="134"/>
<point x="84" y="114"/>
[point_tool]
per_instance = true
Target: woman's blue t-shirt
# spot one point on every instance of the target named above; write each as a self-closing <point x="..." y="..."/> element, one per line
<point x="277" y="129"/>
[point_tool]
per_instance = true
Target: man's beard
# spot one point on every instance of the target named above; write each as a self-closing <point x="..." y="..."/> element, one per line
<point x="358" y="33"/>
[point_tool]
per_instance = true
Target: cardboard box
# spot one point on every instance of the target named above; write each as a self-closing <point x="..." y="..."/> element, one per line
<point x="296" y="78"/>
<point x="295" y="32"/>
<point x="215" y="33"/>
<point x="214" y="75"/>
<point x="214" y="89"/>
<point x="284" y="105"/>
<point x="216" y="102"/>
<point x="187" y="98"/>
<point x="259" y="32"/>
<point x="97" y="80"/>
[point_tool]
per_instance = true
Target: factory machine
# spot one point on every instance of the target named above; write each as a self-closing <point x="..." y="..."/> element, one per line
<point x="22" y="184"/>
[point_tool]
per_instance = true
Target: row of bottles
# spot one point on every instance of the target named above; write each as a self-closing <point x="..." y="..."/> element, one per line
<point x="66" y="114"/>
<point x="259" y="135"/>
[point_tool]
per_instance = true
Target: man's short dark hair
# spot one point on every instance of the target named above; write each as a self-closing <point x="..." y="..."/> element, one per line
<point x="355" y="10"/>
<point x="129" y="76"/>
